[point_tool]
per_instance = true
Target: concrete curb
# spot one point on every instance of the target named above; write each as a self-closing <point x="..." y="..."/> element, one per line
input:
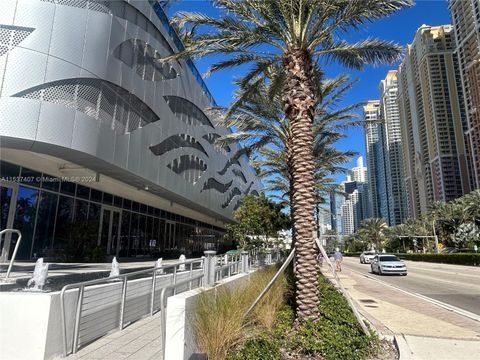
<point x="404" y="351"/>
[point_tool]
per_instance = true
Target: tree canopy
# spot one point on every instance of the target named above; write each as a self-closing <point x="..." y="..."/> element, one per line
<point x="259" y="219"/>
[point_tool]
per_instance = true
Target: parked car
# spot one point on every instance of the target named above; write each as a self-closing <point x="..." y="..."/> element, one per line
<point x="388" y="264"/>
<point x="367" y="256"/>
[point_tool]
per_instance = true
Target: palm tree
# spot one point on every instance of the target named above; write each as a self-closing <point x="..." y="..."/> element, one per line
<point x="258" y="119"/>
<point x="297" y="35"/>
<point x="374" y="231"/>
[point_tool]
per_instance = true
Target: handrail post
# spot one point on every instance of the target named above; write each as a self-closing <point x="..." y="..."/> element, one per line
<point x="209" y="268"/>
<point x="152" y="300"/>
<point x="163" y="319"/>
<point x="78" y="315"/>
<point x="122" y="305"/>
<point x="245" y="261"/>
<point x="17" y="245"/>
<point x="268" y="260"/>
<point x="190" y="276"/>
<point x="64" y="322"/>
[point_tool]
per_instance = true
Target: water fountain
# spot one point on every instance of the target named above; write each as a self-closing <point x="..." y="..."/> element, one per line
<point x="181" y="259"/>
<point x="115" y="268"/>
<point x="158" y="264"/>
<point x="39" y="277"/>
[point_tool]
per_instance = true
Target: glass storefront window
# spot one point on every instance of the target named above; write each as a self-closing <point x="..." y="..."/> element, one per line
<point x="83" y="192"/>
<point x="8" y="171"/>
<point x="125" y="233"/>
<point x="161" y="234"/>
<point x="50" y="182"/>
<point x="107" y="198"/>
<point x="142" y="235"/>
<point x="64" y="220"/>
<point x="135" y="206"/>
<point x="68" y="187"/>
<point x="81" y="210"/>
<point x="96" y="195"/>
<point x="5" y="201"/>
<point x="134" y="238"/>
<point x="68" y="226"/>
<point x="127" y="204"/>
<point x="30" y="177"/>
<point x="45" y="224"/>
<point x="117" y="201"/>
<point x="24" y="220"/>
<point x="94" y="223"/>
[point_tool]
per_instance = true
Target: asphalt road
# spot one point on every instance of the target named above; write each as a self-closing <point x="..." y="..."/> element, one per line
<point x="455" y="285"/>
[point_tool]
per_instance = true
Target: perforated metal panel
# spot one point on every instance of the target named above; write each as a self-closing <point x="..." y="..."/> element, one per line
<point x="11" y="36"/>
<point x="175" y="142"/>
<point x="187" y="111"/>
<point x="189" y="166"/>
<point x="142" y="57"/>
<point x="229" y="163"/>
<point x="92" y="68"/>
<point x="215" y="184"/>
<point x="235" y="192"/>
<point x="240" y="174"/>
<point x="212" y="137"/>
<point x="99" y="99"/>
<point x="95" y="5"/>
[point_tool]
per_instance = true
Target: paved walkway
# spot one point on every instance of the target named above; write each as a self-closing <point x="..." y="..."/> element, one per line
<point x="139" y="341"/>
<point x="424" y="330"/>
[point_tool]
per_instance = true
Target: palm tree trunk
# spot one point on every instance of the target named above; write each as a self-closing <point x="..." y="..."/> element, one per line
<point x="299" y="101"/>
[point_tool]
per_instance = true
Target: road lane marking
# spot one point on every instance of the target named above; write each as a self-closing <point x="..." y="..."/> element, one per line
<point x="423" y="297"/>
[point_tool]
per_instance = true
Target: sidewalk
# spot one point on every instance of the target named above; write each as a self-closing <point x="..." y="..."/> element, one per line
<point x="139" y="341"/>
<point x="423" y="330"/>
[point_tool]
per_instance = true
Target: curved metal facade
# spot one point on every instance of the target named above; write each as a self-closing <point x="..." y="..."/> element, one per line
<point x="80" y="82"/>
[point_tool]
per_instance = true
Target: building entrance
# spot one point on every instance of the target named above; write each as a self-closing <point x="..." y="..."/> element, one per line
<point x="109" y="234"/>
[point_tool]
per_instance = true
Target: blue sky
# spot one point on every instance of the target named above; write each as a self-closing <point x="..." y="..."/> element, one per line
<point x="399" y="28"/>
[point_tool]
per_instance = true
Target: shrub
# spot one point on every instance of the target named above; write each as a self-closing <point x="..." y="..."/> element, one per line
<point x="220" y="323"/>
<point x="263" y="348"/>
<point x="337" y="335"/>
<point x="265" y="312"/>
<point x="98" y="254"/>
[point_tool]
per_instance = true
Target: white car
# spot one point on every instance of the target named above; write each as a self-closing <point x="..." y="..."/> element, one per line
<point x="388" y="264"/>
<point x="366" y="257"/>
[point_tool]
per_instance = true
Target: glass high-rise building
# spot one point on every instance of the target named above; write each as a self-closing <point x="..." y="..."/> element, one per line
<point x="374" y="142"/>
<point x="392" y="149"/>
<point x="102" y="145"/>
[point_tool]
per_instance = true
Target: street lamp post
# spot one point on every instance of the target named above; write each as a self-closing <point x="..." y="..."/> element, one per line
<point x="435" y="237"/>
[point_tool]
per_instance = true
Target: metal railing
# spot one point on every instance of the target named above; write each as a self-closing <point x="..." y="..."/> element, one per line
<point x="103" y="305"/>
<point x="124" y="298"/>
<point x="229" y="264"/>
<point x="17" y="245"/>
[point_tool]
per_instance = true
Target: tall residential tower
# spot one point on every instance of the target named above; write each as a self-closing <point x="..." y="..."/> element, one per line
<point x="466" y="21"/>
<point x="392" y="149"/>
<point x="431" y="118"/>
<point x="374" y="140"/>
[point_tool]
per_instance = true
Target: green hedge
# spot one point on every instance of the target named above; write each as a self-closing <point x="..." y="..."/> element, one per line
<point x="337" y="336"/>
<point x="455" y="258"/>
